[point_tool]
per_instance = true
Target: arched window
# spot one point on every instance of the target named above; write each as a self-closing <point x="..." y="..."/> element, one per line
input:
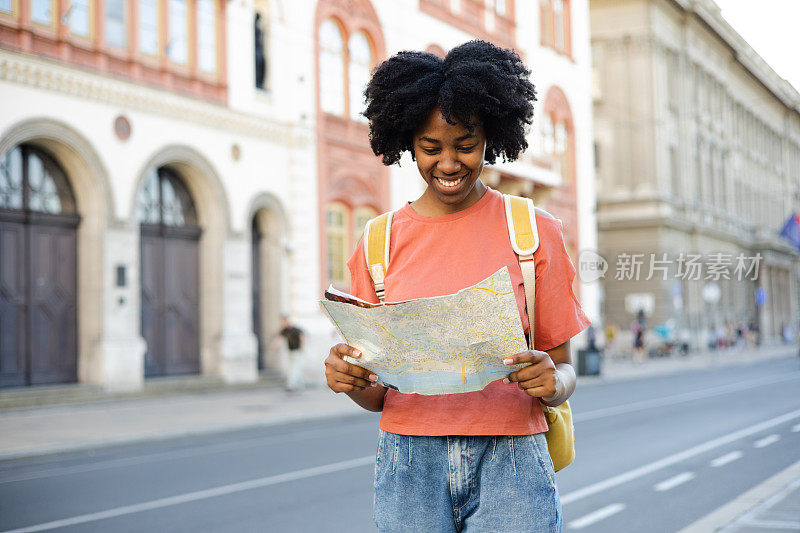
<point x="331" y="67"/>
<point x="165" y="200"/>
<point x="30" y="180"/>
<point x="361" y="216"/>
<point x="360" y="59"/>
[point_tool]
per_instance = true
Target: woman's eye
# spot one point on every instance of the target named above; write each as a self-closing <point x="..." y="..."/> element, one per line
<point x="467" y="148"/>
<point x="430" y="151"/>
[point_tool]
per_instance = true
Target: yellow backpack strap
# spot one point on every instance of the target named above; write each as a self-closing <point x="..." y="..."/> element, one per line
<point x="376" y="249"/>
<point x="521" y="220"/>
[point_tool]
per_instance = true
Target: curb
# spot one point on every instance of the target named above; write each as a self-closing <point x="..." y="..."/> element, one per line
<point x="735" y="509"/>
<point x="170" y="435"/>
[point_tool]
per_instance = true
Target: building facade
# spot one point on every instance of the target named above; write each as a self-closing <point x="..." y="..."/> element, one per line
<point x="698" y="167"/>
<point x="175" y="175"/>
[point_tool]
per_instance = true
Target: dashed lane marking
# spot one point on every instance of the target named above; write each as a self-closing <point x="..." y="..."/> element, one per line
<point x="200" y="495"/>
<point x="766" y="441"/>
<point x="673" y="482"/>
<point x="795" y="428"/>
<point x="644" y="470"/>
<point x="727" y="458"/>
<point x="596" y="516"/>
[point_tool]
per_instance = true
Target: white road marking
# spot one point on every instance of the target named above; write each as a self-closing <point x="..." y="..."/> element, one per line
<point x="679" y="398"/>
<point x="200" y="495"/>
<point x="795" y="428"/>
<point x="596" y="516"/>
<point x="727" y="458"/>
<point x="766" y="441"/>
<point x="636" y="473"/>
<point x="673" y="482"/>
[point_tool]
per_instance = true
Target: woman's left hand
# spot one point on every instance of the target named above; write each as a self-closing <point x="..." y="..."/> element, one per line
<point x="539" y="379"/>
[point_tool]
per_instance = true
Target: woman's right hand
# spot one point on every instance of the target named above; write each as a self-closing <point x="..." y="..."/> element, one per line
<point x="343" y="376"/>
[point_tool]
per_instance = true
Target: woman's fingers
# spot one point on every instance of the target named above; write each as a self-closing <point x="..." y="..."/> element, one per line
<point x="538" y="392"/>
<point x="343" y="349"/>
<point x="538" y="387"/>
<point x="539" y="363"/>
<point x="528" y="356"/>
<point x="350" y="379"/>
<point x="343" y="376"/>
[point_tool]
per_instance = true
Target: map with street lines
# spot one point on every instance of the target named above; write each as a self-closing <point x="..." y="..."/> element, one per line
<point x="440" y="345"/>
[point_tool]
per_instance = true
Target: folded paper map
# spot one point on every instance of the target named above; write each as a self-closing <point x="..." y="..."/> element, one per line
<point x="440" y="345"/>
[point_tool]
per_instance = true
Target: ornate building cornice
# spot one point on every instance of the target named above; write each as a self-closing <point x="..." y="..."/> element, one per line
<point x="710" y="13"/>
<point x="46" y="75"/>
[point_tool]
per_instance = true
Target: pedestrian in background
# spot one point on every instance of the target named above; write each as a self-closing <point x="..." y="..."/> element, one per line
<point x="476" y="461"/>
<point x="638" y="328"/>
<point x="294" y="343"/>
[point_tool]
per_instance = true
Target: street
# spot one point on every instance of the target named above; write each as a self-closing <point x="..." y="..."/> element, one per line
<point x="653" y="454"/>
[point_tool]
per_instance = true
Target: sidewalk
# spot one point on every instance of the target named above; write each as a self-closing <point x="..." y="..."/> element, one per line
<point x="38" y="430"/>
<point x="774" y="505"/>
<point x="618" y="368"/>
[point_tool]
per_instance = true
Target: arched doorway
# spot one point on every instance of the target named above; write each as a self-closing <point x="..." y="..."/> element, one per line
<point x="169" y="275"/>
<point x="267" y="274"/>
<point x="38" y="270"/>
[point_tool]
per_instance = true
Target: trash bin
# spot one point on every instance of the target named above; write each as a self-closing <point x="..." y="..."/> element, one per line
<point x="589" y="362"/>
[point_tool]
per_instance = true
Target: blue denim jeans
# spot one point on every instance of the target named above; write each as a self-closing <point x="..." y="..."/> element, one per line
<point x="477" y="483"/>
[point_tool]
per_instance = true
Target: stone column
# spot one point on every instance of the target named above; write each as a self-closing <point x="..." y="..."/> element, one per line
<point x="117" y="360"/>
<point x="238" y="347"/>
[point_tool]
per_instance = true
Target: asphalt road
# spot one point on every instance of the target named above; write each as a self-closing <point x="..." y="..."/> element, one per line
<point x="653" y="454"/>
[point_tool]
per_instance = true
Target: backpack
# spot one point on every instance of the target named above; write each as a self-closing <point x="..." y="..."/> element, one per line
<point x="524" y="238"/>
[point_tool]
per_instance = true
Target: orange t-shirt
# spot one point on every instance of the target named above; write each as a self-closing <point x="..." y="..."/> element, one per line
<point x="434" y="256"/>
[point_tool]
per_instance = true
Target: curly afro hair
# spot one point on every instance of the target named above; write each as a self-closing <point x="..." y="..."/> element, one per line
<point x="475" y="81"/>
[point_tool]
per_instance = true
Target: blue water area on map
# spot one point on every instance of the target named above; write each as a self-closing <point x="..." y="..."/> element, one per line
<point x="434" y="382"/>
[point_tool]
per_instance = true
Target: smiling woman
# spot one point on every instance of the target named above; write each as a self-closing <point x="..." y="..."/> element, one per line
<point x="475" y="454"/>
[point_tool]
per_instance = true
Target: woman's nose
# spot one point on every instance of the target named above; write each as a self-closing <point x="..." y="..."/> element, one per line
<point x="449" y="165"/>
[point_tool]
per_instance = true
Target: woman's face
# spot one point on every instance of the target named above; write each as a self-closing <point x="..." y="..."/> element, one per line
<point x="450" y="160"/>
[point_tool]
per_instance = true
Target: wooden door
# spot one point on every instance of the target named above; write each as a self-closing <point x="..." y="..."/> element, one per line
<point x="52" y="309"/>
<point x="38" y="271"/>
<point x="13" y="303"/>
<point x="169" y="276"/>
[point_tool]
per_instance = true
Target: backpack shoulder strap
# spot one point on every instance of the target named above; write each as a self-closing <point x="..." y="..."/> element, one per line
<point x="376" y="249"/>
<point x="521" y="219"/>
<point x="524" y="237"/>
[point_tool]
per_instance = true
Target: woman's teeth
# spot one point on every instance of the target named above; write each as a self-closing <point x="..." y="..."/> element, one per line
<point x="449" y="183"/>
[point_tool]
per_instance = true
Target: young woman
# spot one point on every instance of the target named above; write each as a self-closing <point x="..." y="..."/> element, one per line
<point x="475" y="461"/>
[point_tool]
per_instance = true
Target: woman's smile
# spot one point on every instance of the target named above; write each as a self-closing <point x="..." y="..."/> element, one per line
<point x="451" y="183"/>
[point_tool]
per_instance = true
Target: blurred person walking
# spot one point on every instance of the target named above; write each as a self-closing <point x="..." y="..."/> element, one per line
<point x="638" y="329"/>
<point x="294" y="342"/>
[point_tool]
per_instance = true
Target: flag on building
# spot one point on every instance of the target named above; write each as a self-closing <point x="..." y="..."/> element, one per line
<point x="791" y="230"/>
